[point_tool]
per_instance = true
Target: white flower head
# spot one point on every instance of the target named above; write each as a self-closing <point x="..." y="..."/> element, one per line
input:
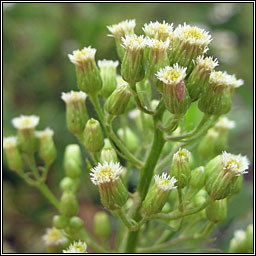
<point x="47" y="132"/>
<point x="182" y="155"/>
<point x="123" y="28"/>
<point x="225" y="123"/>
<point x="206" y="63"/>
<point x="76" y="247"/>
<point x="78" y="57"/>
<point x="10" y="142"/>
<point x="106" y="173"/>
<point x="193" y="35"/>
<point x="171" y="75"/>
<point x="73" y="96"/>
<point x="134" y="42"/>
<point x="235" y="164"/>
<point x="25" y="122"/>
<point x="107" y="64"/>
<point x="158" y="30"/>
<point x="55" y="237"/>
<point x="158" y="45"/>
<point x="220" y="78"/>
<point x="165" y="182"/>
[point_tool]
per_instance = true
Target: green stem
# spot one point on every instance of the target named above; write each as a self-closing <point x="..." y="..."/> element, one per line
<point x="124" y="219"/>
<point x="98" y="108"/>
<point x="32" y="165"/>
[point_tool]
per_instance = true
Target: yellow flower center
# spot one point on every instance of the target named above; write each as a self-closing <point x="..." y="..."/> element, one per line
<point x="194" y="33"/>
<point x="172" y="75"/>
<point x="25" y="122"/>
<point x="182" y="154"/>
<point x="106" y="173"/>
<point x="55" y="235"/>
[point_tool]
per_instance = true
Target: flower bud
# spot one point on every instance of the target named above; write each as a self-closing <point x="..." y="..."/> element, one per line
<point x="76" y="247"/>
<point x="93" y="136"/>
<point x="108" y="155"/>
<point x="55" y="238"/>
<point x="118" y="100"/>
<point x="217" y="96"/>
<point x="47" y="150"/>
<point x="73" y="161"/>
<point x="180" y="168"/>
<point x="76" y="114"/>
<point x="76" y="223"/>
<point x="237" y="185"/>
<point x="221" y="173"/>
<point x="217" y="211"/>
<point x="158" y="194"/>
<point x="69" y="184"/>
<point x="200" y="75"/>
<point x="87" y="72"/>
<point x="113" y="193"/>
<point x="13" y="155"/>
<point x="60" y="222"/>
<point x="175" y="94"/>
<point x="101" y="225"/>
<point x="197" y="178"/>
<point x="188" y="43"/>
<point x="108" y="75"/>
<point x="68" y="204"/>
<point x="238" y="243"/>
<point x="26" y="136"/>
<point x="133" y="65"/>
<point x="107" y="144"/>
<point x="129" y="138"/>
<point x="121" y="30"/>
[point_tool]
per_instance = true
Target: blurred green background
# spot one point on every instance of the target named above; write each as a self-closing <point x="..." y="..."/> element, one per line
<point x="36" y="41"/>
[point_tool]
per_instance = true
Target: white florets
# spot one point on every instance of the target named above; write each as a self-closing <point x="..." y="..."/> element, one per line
<point x="25" y="122"/>
<point x="220" y="78"/>
<point x="181" y="155"/>
<point x="155" y="44"/>
<point x="171" y="75"/>
<point x="106" y="172"/>
<point x="134" y="42"/>
<point x="80" y="56"/>
<point x="73" y="96"/>
<point x="55" y="237"/>
<point x="156" y="29"/>
<point x="123" y="28"/>
<point x="10" y="142"/>
<point x="235" y="164"/>
<point x="48" y="132"/>
<point x="225" y="123"/>
<point x="107" y="63"/>
<point x="76" y="247"/>
<point x="206" y="63"/>
<point x="165" y="182"/>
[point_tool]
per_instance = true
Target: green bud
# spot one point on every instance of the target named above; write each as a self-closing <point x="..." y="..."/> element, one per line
<point x="76" y="113"/>
<point x="197" y="178"/>
<point x="129" y="138"/>
<point x="26" y="132"/>
<point x="12" y="153"/>
<point x="249" y="238"/>
<point x="107" y="144"/>
<point x="73" y="161"/>
<point x="221" y="173"/>
<point x="68" y="204"/>
<point x="69" y="184"/>
<point x="60" y="222"/>
<point x="238" y="243"/>
<point x="93" y="136"/>
<point x="175" y="94"/>
<point x="101" y="225"/>
<point x="180" y="167"/>
<point x="118" y="100"/>
<point x="76" y="223"/>
<point x="108" y="75"/>
<point x="47" y="150"/>
<point x="87" y="72"/>
<point x="108" y="155"/>
<point x="113" y="193"/>
<point x="217" y="211"/>
<point x="158" y="194"/>
<point x="218" y="95"/>
<point x="133" y="65"/>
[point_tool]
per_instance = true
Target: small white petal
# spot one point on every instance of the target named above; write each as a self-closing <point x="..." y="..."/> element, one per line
<point x="25" y="122"/>
<point x="73" y="96"/>
<point x="165" y="182"/>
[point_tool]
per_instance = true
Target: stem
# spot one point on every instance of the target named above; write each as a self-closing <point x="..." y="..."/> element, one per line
<point x="98" y="108"/>
<point x="124" y="219"/>
<point x="32" y="165"/>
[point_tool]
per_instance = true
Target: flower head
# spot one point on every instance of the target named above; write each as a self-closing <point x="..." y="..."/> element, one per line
<point x="45" y="133"/>
<point x="160" y="31"/>
<point x="123" y="28"/>
<point x="220" y="78"/>
<point x="235" y="164"/>
<point x="165" y="182"/>
<point x="171" y="75"/>
<point x="55" y="237"/>
<point x="206" y="63"/>
<point x="78" y="57"/>
<point x="76" y="247"/>
<point x="134" y="42"/>
<point x="72" y="96"/>
<point x="25" y="122"/>
<point x="107" y="64"/>
<point x="225" y="123"/>
<point x="105" y="173"/>
<point x="10" y="142"/>
<point x="182" y="155"/>
<point x="157" y="45"/>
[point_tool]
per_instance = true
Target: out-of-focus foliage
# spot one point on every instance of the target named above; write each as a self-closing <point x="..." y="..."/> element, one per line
<point x="36" y="40"/>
